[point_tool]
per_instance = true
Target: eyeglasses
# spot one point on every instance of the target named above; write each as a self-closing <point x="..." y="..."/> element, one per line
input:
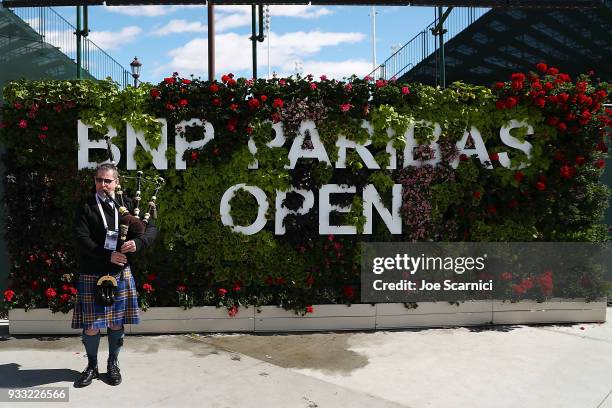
<point x="104" y="180"/>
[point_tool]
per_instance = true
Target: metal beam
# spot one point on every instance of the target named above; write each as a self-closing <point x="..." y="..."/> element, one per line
<point x="427" y="3"/>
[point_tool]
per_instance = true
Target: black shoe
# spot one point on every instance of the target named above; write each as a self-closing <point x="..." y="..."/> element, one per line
<point x="113" y="373"/>
<point x="87" y="376"/>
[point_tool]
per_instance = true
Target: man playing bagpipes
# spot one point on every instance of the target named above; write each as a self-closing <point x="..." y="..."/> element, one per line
<point x="106" y="236"/>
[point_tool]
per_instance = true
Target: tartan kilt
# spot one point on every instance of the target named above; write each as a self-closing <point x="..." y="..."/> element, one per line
<point x="89" y="315"/>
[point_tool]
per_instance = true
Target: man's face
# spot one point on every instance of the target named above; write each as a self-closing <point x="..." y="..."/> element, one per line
<point x="105" y="181"/>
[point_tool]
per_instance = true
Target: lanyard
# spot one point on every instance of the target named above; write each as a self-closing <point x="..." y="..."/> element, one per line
<point x="104" y="217"/>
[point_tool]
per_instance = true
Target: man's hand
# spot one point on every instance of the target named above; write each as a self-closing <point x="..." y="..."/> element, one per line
<point x="118" y="258"/>
<point x="128" y="246"/>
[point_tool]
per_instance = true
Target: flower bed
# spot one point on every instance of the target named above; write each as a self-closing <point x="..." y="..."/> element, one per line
<point x="518" y="162"/>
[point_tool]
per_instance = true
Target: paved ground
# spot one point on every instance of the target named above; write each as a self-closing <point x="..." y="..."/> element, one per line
<point x="503" y="366"/>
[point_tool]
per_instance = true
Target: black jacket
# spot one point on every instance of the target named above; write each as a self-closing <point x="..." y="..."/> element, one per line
<point x="90" y="235"/>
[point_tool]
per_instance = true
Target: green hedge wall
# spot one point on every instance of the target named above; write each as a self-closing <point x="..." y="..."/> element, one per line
<point x="196" y="260"/>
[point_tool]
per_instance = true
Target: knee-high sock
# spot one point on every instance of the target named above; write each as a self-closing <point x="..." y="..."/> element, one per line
<point x="91" y="343"/>
<point x="115" y="342"/>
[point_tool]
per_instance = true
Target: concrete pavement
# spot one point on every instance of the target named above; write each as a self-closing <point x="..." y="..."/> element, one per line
<point x="500" y="366"/>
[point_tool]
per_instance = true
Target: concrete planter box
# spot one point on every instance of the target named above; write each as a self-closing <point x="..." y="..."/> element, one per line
<point x="323" y="318"/>
<point x="329" y="317"/>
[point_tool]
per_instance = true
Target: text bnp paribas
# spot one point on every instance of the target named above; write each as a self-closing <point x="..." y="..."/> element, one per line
<point x="371" y="198"/>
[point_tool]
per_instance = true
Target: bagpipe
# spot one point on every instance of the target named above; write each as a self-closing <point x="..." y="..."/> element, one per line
<point x="129" y="223"/>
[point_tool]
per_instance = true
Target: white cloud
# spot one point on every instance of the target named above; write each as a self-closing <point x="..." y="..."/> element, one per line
<point x="110" y="40"/>
<point x="179" y="26"/>
<point x="331" y="69"/>
<point x="233" y="53"/>
<point x="146" y="11"/>
<point x="229" y="17"/>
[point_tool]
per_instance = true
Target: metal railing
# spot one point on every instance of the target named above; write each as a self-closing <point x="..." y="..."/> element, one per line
<point x="425" y="43"/>
<point x="58" y="32"/>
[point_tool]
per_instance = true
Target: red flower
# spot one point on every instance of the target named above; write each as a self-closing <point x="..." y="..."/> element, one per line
<point x="222" y="292"/>
<point x="380" y="83"/>
<point x="231" y="82"/>
<point x="600" y="164"/>
<point x="183" y="102"/>
<point x="562" y="127"/>
<point x="73" y="290"/>
<point x="278" y="103"/>
<point x="516" y="85"/>
<point x="527" y="283"/>
<point x="345" y="107"/>
<point x="309" y="309"/>
<point x="330" y="237"/>
<point x="499" y="85"/>
<point x="225" y="78"/>
<point x="463" y="157"/>
<point x="233" y="107"/>
<point x="181" y="288"/>
<point x="518" y="289"/>
<point x="580" y="160"/>
<point x="507" y="276"/>
<point x="34" y="285"/>
<point x="194" y="156"/>
<point x="500" y="105"/>
<point x="170" y="106"/>
<point x="567" y="172"/>
<point x="18" y="105"/>
<point x="253" y="103"/>
<point x="518" y="76"/>
<point x="170" y="80"/>
<point x="147" y="288"/>
<point x="519" y="176"/>
<point x="546" y="282"/>
<point x="323" y="77"/>
<point x="263" y="98"/>
<point x="233" y="311"/>
<point x="552" y="71"/>
<point x="186" y="81"/>
<point x="42" y="137"/>
<point x="348" y="291"/>
<point x="64" y="297"/>
<point x="477" y="195"/>
<point x="216" y="102"/>
<point x="511" y="102"/>
<point x="249" y="130"/>
<point x="602" y="147"/>
<point x="542" y="67"/>
<point x="494" y="157"/>
<point x="313" y="86"/>
<point x="155" y="93"/>
<point x="23" y="123"/>
<point x="214" y="88"/>
<point x="236" y="287"/>
<point x="231" y="124"/>
<point x="8" y="295"/>
<point x="552" y="121"/>
<point x="405" y="90"/>
<point x="275" y="117"/>
<point x="540" y="102"/>
<point x="492" y="209"/>
<point x="540" y="186"/>
<point x="50" y="293"/>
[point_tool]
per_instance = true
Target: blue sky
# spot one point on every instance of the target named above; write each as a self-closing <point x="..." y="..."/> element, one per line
<point x="334" y="40"/>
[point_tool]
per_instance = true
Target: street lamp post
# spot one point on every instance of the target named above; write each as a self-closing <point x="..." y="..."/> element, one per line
<point x="135" y="66"/>
<point x="267" y="27"/>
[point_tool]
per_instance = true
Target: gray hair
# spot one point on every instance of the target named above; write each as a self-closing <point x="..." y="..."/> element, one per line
<point x="107" y="167"/>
